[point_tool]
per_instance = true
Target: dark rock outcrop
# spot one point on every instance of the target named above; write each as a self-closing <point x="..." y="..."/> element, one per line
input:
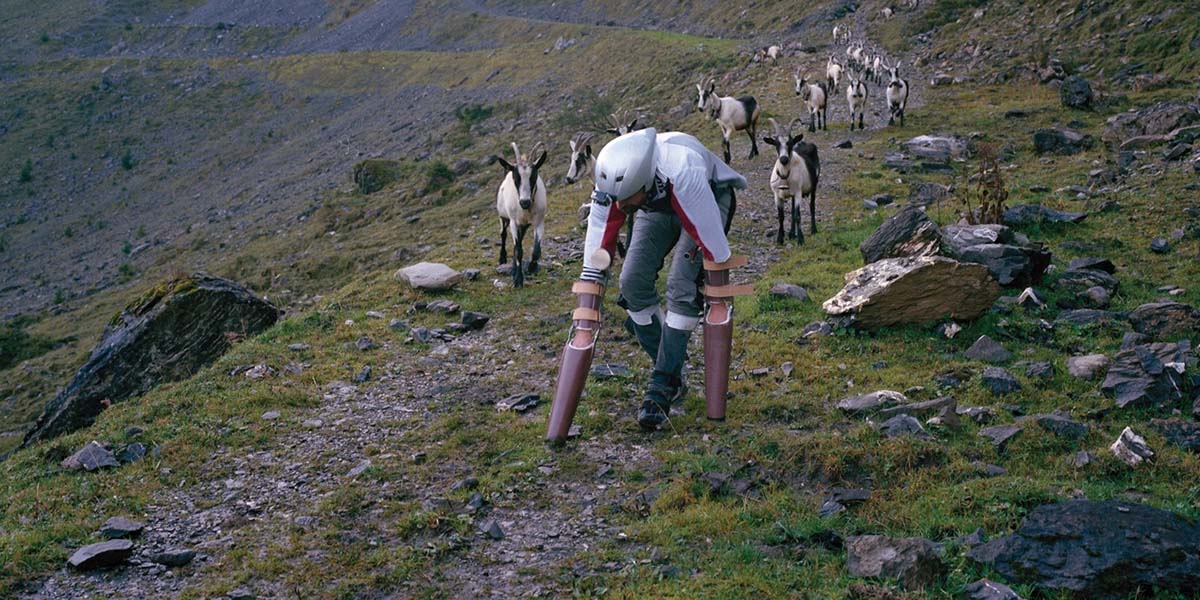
<point x="168" y="334"/>
<point x="1099" y="549"/>
<point x="1030" y="214"/>
<point x="909" y="232"/>
<point x="1156" y="120"/>
<point x="1076" y="92"/>
<point x="1012" y="266"/>
<point x="1166" y="320"/>
<point x="1143" y="375"/>
<point x="1056" y="140"/>
<point x="101" y="555"/>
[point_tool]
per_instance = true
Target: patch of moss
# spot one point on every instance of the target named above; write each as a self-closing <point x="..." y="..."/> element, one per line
<point x="374" y="174"/>
<point x="151" y="297"/>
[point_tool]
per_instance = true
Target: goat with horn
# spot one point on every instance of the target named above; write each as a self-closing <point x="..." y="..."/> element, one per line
<point x="732" y="114"/>
<point x="521" y="203"/>
<point x="795" y="173"/>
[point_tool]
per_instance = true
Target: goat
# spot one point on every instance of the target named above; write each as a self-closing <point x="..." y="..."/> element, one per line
<point x="887" y="12"/>
<point x="833" y="74"/>
<point x="836" y="31"/>
<point x="815" y="99"/>
<point x="521" y="203"/>
<point x="732" y="114"/>
<point x="855" y="52"/>
<point x="897" y="95"/>
<point x="583" y="162"/>
<point x="620" y="124"/>
<point x="856" y="97"/>
<point x="877" y="69"/>
<point x="768" y="52"/>
<point x="795" y="172"/>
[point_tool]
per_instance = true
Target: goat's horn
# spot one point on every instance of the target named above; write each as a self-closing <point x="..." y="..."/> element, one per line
<point x="775" y="128"/>
<point x="516" y="151"/>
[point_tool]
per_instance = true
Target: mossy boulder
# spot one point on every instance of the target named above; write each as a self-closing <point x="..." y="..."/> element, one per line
<point x="170" y="332"/>
<point x="374" y="174"/>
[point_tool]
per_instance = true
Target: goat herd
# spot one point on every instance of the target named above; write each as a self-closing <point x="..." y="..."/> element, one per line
<point x="521" y="198"/>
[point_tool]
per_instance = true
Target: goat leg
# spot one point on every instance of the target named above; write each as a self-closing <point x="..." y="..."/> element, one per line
<point x="518" y="269"/>
<point x="504" y="240"/>
<point x="537" y="253"/>
<point x="812" y="211"/>
<point x="779" y="236"/>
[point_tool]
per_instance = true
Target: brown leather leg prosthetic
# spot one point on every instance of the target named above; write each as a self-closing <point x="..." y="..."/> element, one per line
<point x="576" y="359"/>
<point x="718" y="332"/>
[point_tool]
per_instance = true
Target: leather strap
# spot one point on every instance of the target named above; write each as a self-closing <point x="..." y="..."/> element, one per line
<point x="587" y="287"/>
<point x="728" y="291"/>
<point x="585" y="314"/>
<point x="733" y="263"/>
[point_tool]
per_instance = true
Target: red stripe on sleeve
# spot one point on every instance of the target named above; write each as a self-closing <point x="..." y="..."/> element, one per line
<point x="612" y="229"/>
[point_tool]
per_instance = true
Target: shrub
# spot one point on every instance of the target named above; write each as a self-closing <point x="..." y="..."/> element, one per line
<point x="27" y="171"/>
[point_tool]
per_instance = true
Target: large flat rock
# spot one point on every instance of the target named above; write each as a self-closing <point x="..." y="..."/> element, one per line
<point x="914" y="290"/>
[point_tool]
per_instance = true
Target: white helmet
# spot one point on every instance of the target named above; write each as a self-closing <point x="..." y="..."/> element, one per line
<point x="625" y="165"/>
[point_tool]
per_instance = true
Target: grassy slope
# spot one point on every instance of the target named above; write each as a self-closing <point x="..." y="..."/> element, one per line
<point x="736" y="545"/>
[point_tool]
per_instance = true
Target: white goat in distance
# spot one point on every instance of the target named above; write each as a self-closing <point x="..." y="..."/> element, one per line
<point x="521" y="203"/>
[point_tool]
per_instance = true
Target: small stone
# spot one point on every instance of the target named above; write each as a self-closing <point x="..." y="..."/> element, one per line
<point x="985" y="589"/>
<point x="374" y="314"/>
<point x="446" y="307"/>
<point x="1090" y="366"/>
<point x="359" y="469"/>
<point x="1030" y="300"/>
<point x="132" y="452"/>
<point x="120" y="527"/>
<point x="904" y="425"/>
<point x="988" y="350"/>
<point x="473" y="321"/>
<point x="1160" y="245"/>
<point x="364" y="344"/>
<point x="468" y="483"/>
<point x="470" y="274"/>
<point x="844" y="145"/>
<point x="830" y="508"/>
<point x="1000" y="435"/>
<point x="1000" y="381"/>
<point x="240" y="594"/>
<point x="298" y="347"/>
<point x="270" y="415"/>
<point x="787" y="368"/>
<point x="1096" y="296"/>
<point x="949" y="330"/>
<point x="871" y="402"/>
<point x="313" y="423"/>
<point x="364" y="375"/>
<point x="258" y="372"/>
<point x="1040" y="370"/>
<point x="990" y="470"/>
<point x="492" y="529"/>
<point x="174" y="557"/>
<point x="783" y="289"/>
<point x="816" y="328"/>
<point x="103" y="554"/>
<point x="611" y="371"/>
<point x="980" y="414"/>
<point x="1091" y="262"/>
<point x="475" y="502"/>
<point x="1081" y="459"/>
<point x="1132" y="339"/>
<point x="1131" y="448"/>
<point x="519" y="403"/>
<point x="1062" y="426"/>
<point x="91" y="457"/>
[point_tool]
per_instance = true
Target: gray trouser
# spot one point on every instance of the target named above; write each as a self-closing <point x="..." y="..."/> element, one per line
<point x="654" y="234"/>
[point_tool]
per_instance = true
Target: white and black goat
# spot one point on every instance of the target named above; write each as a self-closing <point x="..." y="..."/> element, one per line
<point x="583" y="160"/>
<point x="833" y="74"/>
<point x="877" y="69"/>
<point x="897" y="95"/>
<point x="521" y="203"/>
<point x="856" y="97"/>
<point x="816" y="100"/>
<point x="771" y="53"/>
<point x="732" y="114"/>
<point x="795" y="173"/>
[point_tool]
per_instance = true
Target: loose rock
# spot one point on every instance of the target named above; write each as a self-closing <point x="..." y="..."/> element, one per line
<point x="988" y="350"/>
<point x="429" y="276"/>
<point x="1099" y="550"/>
<point x="1090" y="366"/>
<point x="91" y="457"/>
<point x="909" y="232"/>
<point x="1165" y="321"/>
<point x="915" y="562"/>
<point x="1000" y="435"/>
<point x="918" y="290"/>
<point x="101" y="555"/>
<point x="120" y="527"/>
<point x="1149" y="374"/>
<point x="1131" y="448"/>
<point x="999" y="381"/>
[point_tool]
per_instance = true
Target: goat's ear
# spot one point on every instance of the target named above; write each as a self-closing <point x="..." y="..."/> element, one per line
<point x="541" y="159"/>
<point x="712" y="85"/>
<point x="632" y="124"/>
<point x="795" y="139"/>
<point x="612" y="130"/>
<point x="503" y="163"/>
<point x="771" y="141"/>
<point x="589" y="149"/>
